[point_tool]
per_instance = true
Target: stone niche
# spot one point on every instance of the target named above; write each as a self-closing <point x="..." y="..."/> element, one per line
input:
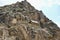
<point x="1" y="33"/>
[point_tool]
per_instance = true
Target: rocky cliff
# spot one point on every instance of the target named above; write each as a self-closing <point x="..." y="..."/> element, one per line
<point x="21" y="21"/>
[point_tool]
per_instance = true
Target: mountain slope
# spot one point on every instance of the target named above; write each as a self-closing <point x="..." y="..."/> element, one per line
<point x="21" y="21"/>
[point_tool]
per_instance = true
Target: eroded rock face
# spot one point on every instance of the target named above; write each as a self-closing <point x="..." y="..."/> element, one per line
<point x="21" y="21"/>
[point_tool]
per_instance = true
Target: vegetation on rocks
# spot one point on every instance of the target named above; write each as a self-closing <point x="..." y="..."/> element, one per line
<point x="21" y="21"/>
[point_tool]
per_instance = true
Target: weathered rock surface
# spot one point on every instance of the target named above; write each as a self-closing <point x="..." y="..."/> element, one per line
<point x="21" y="21"/>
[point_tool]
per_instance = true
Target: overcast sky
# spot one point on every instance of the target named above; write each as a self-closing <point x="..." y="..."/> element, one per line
<point x="51" y="8"/>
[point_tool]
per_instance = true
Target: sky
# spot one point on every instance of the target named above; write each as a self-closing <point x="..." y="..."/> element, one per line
<point x="49" y="7"/>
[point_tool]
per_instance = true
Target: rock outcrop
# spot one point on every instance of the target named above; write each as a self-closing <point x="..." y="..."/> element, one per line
<point x="21" y="21"/>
